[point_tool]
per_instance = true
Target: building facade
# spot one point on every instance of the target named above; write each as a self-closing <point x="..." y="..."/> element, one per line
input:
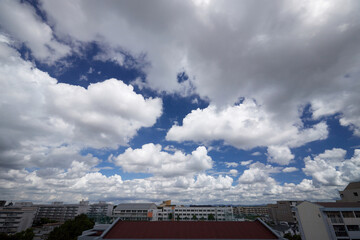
<point x="136" y="211"/>
<point x="283" y="211"/>
<point x="60" y="212"/>
<point x="351" y="193"/>
<point x="252" y="210"/>
<point x="16" y="218"/>
<point x="333" y="221"/>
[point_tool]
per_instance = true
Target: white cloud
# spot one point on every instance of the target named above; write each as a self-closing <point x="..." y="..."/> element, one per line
<point x="279" y="154"/>
<point x="233" y="172"/>
<point x="39" y="114"/>
<point x="290" y="169"/>
<point x="310" y="55"/>
<point x="256" y="154"/>
<point x="21" y="21"/>
<point x="231" y="164"/>
<point x="151" y="159"/>
<point x="243" y="126"/>
<point x="245" y="163"/>
<point x="258" y="172"/>
<point x="332" y="169"/>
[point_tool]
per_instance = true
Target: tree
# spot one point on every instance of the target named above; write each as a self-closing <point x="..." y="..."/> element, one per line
<point x="28" y="234"/>
<point x="177" y="217"/>
<point x="194" y="217"/>
<point x="170" y="216"/>
<point x="292" y="237"/>
<point x="71" y="229"/>
<point x="211" y="217"/>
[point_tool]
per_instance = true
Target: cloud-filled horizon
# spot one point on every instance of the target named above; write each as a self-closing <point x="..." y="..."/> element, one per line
<point x="198" y="101"/>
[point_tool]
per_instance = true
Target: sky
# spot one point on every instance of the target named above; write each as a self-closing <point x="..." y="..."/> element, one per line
<point x="198" y="101"/>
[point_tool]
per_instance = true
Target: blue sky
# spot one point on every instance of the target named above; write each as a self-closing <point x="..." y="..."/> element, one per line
<point x="197" y="101"/>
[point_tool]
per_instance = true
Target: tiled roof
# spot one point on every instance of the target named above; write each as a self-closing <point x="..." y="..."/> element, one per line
<point x="135" y="206"/>
<point x="189" y="230"/>
<point x="339" y="204"/>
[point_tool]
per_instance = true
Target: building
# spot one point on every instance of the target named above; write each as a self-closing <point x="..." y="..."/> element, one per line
<point x="351" y="193"/>
<point x="188" y="213"/>
<point x="252" y="210"/>
<point x="186" y="230"/>
<point x="100" y="212"/>
<point x="136" y="211"/>
<point x="329" y="220"/>
<point x="283" y="211"/>
<point x="60" y="212"/>
<point x="15" y="219"/>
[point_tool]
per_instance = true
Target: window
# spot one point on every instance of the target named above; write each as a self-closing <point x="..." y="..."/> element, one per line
<point x="335" y="217"/>
<point x="355" y="194"/>
<point x="340" y="231"/>
<point x="357" y="214"/>
<point x="348" y="214"/>
<point x="353" y="227"/>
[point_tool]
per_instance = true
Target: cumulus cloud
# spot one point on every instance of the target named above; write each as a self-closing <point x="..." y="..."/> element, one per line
<point x="279" y="154"/>
<point x="233" y="172"/>
<point x="239" y="50"/>
<point x="290" y="169"/>
<point x="245" y="163"/>
<point x="40" y="115"/>
<point x="243" y="126"/>
<point x="231" y="164"/>
<point x="332" y="169"/>
<point x="21" y="21"/>
<point x="151" y="159"/>
<point x="258" y="172"/>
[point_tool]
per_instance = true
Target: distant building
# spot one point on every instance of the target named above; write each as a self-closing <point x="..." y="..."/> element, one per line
<point x="183" y="230"/>
<point x="2" y="203"/>
<point x="136" y="211"/>
<point x="283" y="211"/>
<point x="99" y="211"/>
<point x="15" y="219"/>
<point x="329" y="220"/>
<point x="252" y="210"/>
<point x="351" y="193"/>
<point x="60" y="212"/>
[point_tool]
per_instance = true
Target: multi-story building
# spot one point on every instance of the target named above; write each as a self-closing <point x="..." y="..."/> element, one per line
<point x="101" y="212"/>
<point x="283" y="211"/>
<point x="16" y="218"/>
<point x="60" y="212"/>
<point x="136" y="211"/>
<point x="329" y="220"/>
<point x="183" y="213"/>
<point x="252" y="210"/>
<point x="351" y="193"/>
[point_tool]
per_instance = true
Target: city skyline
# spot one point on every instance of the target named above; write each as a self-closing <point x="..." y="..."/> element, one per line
<point x="198" y="101"/>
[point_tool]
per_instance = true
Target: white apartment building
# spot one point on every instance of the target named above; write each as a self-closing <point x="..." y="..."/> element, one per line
<point x="184" y="213"/>
<point x="136" y="211"/>
<point x="252" y="210"/>
<point x="100" y="209"/>
<point x="351" y="193"/>
<point x="60" y="212"/>
<point x="332" y="220"/>
<point x="16" y="218"/>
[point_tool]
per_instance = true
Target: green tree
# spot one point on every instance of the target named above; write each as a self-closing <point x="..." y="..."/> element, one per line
<point x="71" y="229"/>
<point x="177" y="217"/>
<point x="170" y="216"/>
<point x="194" y="217"/>
<point x="28" y="234"/>
<point x="211" y="217"/>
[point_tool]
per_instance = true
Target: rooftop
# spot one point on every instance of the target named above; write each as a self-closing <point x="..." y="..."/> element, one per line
<point x="135" y="206"/>
<point x="353" y="185"/>
<point x="339" y="204"/>
<point x="189" y="230"/>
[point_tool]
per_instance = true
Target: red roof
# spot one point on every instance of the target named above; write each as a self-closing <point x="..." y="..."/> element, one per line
<point x="189" y="230"/>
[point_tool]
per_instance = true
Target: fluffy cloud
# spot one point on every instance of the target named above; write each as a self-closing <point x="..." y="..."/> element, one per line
<point x="151" y="159"/>
<point x="298" y="57"/>
<point x="280" y="155"/>
<point x="244" y="126"/>
<point x="258" y="172"/>
<point x="245" y="163"/>
<point x="21" y="21"/>
<point x="332" y="169"/>
<point x="231" y="164"/>
<point x="290" y="169"/>
<point x="40" y="115"/>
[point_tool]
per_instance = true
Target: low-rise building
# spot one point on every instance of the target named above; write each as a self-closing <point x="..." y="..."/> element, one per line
<point x="136" y="211"/>
<point x="329" y="220"/>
